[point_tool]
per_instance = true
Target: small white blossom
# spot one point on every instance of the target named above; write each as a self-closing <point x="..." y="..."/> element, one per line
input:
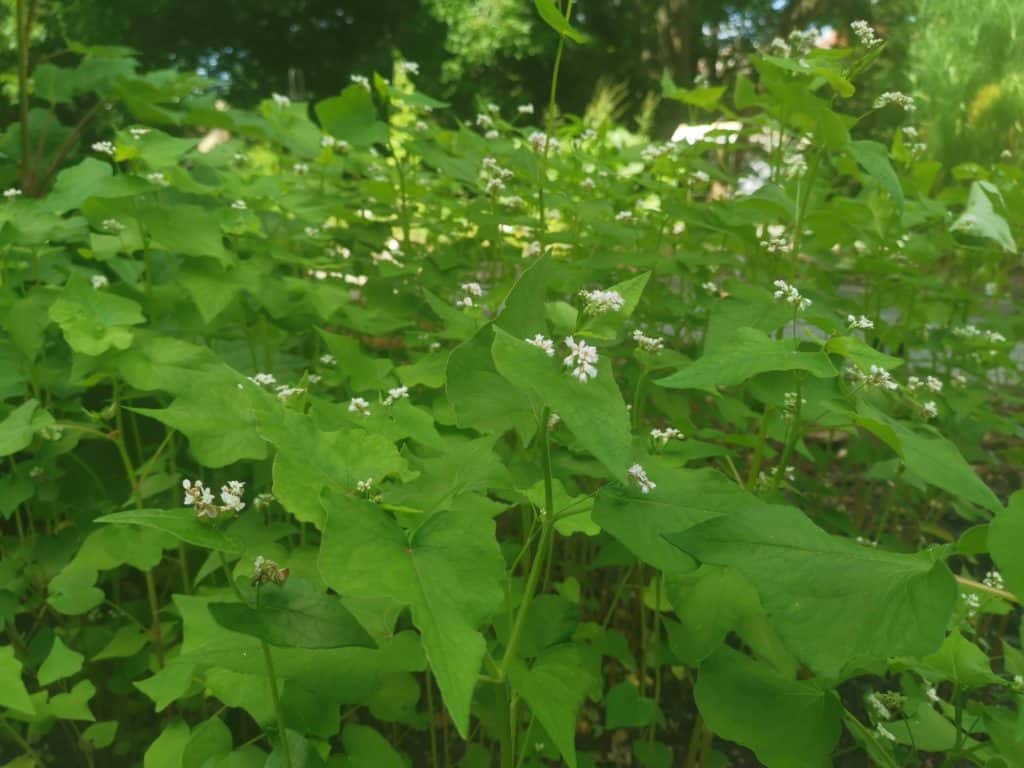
<point x="365" y="487"/>
<point x="582" y="358"/>
<point x="284" y="392"/>
<point x="231" y="495"/>
<point x="113" y="226"/>
<point x="157" y="178"/>
<point x="878" y="706"/>
<point x="543" y="343"/>
<point x="473" y="289"/>
<point x="12" y="192"/>
<point x="864" y="33"/>
<point x="973" y="603"/>
<point x="932" y="384"/>
<point x="541" y="142"/>
<point x="312" y="231"/>
<point x="710" y="287"/>
<point x="859" y="323"/>
<point x="648" y="343"/>
<point x="599" y="302"/>
<point x="314" y="378"/>
<point x="639" y="478"/>
<point x="553" y="420"/>
<point x="901" y="100"/>
<point x="994" y="579"/>
<point x="532" y="249"/>
<point x="408" y="67"/>
<point x="240" y="205"/>
<point x="280" y="100"/>
<point x="932" y="694"/>
<point x="358" y="280"/>
<point x="395" y="394"/>
<point x="991" y="289"/>
<point x="300" y="169"/>
<point x="263" y="380"/>
<point x="884" y="733"/>
<point x="361" y="80"/>
<point x="359" y="405"/>
<point x="99" y="282"/>
<point x="199" y="496"/>
<point x="138" y="133"/>
<point x="624" y="215"/>
<point x="662" y="436"/>
<point x="876" y="377"/>
<point x="328" y="360"/>
<point x="104" y="148"/>
<point x="788" y="293"/>
<point x="777" y="245"/>
<point x="266" y="571"/>
<point x="525" y="109"/>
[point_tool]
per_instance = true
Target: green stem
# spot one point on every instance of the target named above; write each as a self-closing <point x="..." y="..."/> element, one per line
<point x="21" y="742"/>
<point x="268" y="660"/>
<point x="431" y="719"/>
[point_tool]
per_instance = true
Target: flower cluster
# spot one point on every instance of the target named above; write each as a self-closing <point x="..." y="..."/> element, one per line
<point x="929" y="410"/>
<point x="791" y="402"/>
<point x="994" y="579"/>
<point x="103" y="148"/>
<point x="12" y="192"/>
<point x="471" y="291"/>
<point x="359" y="405"/>
<point x="543" y="143"/>
<point x="930" y="383"/>
<point x="99" y="282"/>
<point x="788" y="293"/>
<point x="599" y="302"/>
<point x="860" y="323"/>
<point x="494" y="175"/>
<point x="777" y="245"/>
<point x="875" y="377"/>
<point x="648" y="343"/>
<point x="543" y="343"/>
<point x="395" y="394"/>
<point x="901" y="100"/>
<point x="864" y="33"/>
<point x="113" y="226"/>
<point x="582" y="358"/>
<point x="662" y="436"/>
<point x="266" y="571"/>
<point x="638" y="477"/>
<point x="201" y="498"/>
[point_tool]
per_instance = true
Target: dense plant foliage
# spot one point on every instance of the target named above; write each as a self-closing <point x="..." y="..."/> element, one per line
<point x="346" y="434"/>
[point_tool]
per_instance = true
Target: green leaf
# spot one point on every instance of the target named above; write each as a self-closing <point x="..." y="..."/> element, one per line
<point x="860" y="352"/>
<point x="830" y="599"/>
<point x="962" y="662"/>
<point x="873" y="157"/>
<point x="749" y="353"/>
<point x="787" y="723"/>
<point x="1006" y="543"/>
<point x="352" y="117"/>
<point x="365" y="748"/>
<point x="126" y="642"/>
<point x="626" y="708"/>
<point x="365" y="554"/>
<point x="73" y="705"/>
<point x="593" y="410"/>
<point x="61" y="662"/>
<point x="309" y="459"/>
<point x="92" y="320"/>
<point x="684" y="497"/>
<point x="554" y="687"/>
<point x="21" y="424"/>
<point x="554" y="19"/>
<point x="181" y="523"/>
<point x="981" y="220"/>
<point x="12" y="689"/>
<point x="929" y="456"/>
<point x="186" y="229"/>
<point x="167" y="750"/>
<point x="294" y="615"/>
<point x="168" y="685"/>
<point x="704" y="98"/>
<point x="710" y="603"/>
<point x="208" y="740"/>
<point x="101" y="735"/>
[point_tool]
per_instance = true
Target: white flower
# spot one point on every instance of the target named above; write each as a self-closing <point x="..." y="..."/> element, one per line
<point x="639" y="478"/>
<point x="860" y="323"/>
<point x="284" y="392"/>
<point x="664" y="435"/>
<point x="541" y="142"/>
<point x="648" y="343"/>
<point x="328" y="359"/>
<point x="933" y="384"/>
<point x="312" y="231"/>
<point x="103" y="148"/>
<point x="240" y="205"/>
<point x="543" y="343"/>
<point x="280" y="100"/>
<point x="359" y="405"/>
<point x="491" y="135"/>
<point x="994" y="579"/>
<point x="880" y="709"/>
<point x="263" y="380"/>
<point x="199" y="496"/>
<point x="525" y="109"/>
<point x="231" y="495"/>
<point x="113" y="226"/>
<point x="864" y="33"/>
<point x="473" y="289"/>
<point x="12" y="192"/>
<point x="994" y="337"/>
<point x="314" y="378"/>
<point x="710" y="287"/>
<point x="588" y="183"/>
<point x="973" y="603"/>
<point x="265" y="571"/>
<point x="777" y="245"/>
<point x="157" y="178"/>
<point x="99" y="282"/>
<point x="359" y="280"/>
<point x="791" y="401"/>
<point x="991" y="289"/>
<point x="138" y="133"/>
<point x="484" y="120"/>
<point x="788" y="293"/>
<point x="408" y="67"/>
<point x="364" y="486"/>
<point x="958" y="380"/>
<point x="465" y="302"/>
<point x="901" y="100"/>
<point x="361" y="80"/>
<point x="624" y="215"/>
<point x="386" y="257"/>
<point x="582" y="359"/>
<point x="599" y="302"/>
<point x="932" y="695"/>
<point x="300" y="169"/>
<point x="395" y="394"/>
<point x="876" y="377"/>
<point x="553" y="420"/>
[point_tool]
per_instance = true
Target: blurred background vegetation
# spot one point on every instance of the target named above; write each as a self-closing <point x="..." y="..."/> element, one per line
<point x="963" y="60"/>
